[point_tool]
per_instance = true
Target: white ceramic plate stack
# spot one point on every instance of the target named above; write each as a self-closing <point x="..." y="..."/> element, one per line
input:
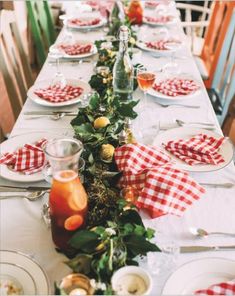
<point x="24" y="273"/>
<point x="226" y="150"/>
<point x="45" y="83"/>
<point x="199" y="274"/>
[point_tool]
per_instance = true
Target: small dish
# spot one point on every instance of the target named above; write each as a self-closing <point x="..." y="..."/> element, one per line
<point x="131" y="280"/>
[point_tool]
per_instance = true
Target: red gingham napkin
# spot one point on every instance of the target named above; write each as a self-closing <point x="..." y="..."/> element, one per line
<point x="83" y="22"/>
<point x="75" y="49"/>
<point x="226" y="288"/>
<point x="29" y="159"/>
<point x="161" y="44"/>
<point x="200" y="149"/>
<point x="57" y="94"/>
<point x="160" y="19"/>
<point x="162" y="188"/>
<point x="176" y="87"/>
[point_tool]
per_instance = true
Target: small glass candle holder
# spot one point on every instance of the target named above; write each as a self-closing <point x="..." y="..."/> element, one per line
<point x="76" y="284"/>
<point x="103" y="71"/>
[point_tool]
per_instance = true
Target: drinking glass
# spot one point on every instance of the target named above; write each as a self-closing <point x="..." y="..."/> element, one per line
<point x="68" y="35"/>
<point x="58" y="78"/>
<point x="145" y="79"/>
<point x="68" y="199"/>
<point x="172" y="66"/>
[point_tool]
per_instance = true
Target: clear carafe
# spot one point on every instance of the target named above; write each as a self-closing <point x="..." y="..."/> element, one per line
<point x="68" y="199"/>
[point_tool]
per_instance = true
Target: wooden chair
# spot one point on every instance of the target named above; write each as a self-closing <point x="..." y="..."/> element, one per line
<point x="13" y="62"/>
<point x="42" y="27"/>
<point x="223" y="84"/>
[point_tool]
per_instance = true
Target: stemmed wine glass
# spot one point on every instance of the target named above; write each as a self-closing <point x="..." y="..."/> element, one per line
<point x="58" y="78"/>
<point x="145" y="79"/>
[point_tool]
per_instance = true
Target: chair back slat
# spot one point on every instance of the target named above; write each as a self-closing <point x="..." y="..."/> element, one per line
<point x="42" y="27"/>
<point x="215" y="35"/>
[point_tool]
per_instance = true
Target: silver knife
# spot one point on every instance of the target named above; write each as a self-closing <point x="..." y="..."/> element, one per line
<point x="196" y="249"/>
<point x="22" y="189"/>
<point x="68" y="113"/>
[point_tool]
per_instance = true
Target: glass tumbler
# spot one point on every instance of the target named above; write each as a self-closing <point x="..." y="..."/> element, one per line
<point x="68" y="199"/>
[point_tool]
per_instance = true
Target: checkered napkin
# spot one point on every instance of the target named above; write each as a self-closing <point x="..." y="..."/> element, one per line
<point x="162" y="188"/>
<point x="226" y="288"/>
<point x="176" y="87"/>
<point x="160" y="19"/>
<point x="75" y="49"/>
<point x="83" y="22"/>
<point x="200" y="149"/>
<point x="28" y="160"/>
<point x="58" y="94"/>
<point x="161" y="44"/>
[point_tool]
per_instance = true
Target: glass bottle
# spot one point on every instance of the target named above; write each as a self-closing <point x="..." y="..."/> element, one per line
<point x="123" y="69"/>
<point x="135" y="12"/>
<point x="68" y="199"/>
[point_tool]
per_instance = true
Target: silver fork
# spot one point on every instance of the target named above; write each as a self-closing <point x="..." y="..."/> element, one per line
<point x="179" y="105"/>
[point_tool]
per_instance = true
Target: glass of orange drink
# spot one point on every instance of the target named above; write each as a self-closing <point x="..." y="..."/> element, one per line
<point x="68" y="199"/>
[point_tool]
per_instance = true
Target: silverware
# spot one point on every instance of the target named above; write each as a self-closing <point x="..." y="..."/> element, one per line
<point x="182" y="123"/>
<point x="179" y="105"/>
<point x="219" y="185"/>
<point x="196" y="249"/>
<point x="67" y="113"/>
<point x="32" y="196"/>
<point x="69" y="62"/>
<point x="4" y="188"/>
<point x="199" y="232"/>
<point x="53" y="116"/>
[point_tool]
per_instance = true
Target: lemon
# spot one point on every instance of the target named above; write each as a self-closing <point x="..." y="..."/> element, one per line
<point x="101" y="122"/>
<point x="107" y="151"/>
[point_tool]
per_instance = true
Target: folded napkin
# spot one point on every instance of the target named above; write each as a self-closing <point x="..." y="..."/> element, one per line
<point x="226" y="288"/>
<point x="75" y="49"/>
<point x="84" y="22"/>
<point x="161" y="44"/>
<point x="154" y="4"/>
<point x="28" y="160"/>
<point x="57" y="94"/>
<point x="162" y="188"/>
<point x="160" y="19"/>
<point x="200" y="149"/>
<point x="176" y="87"/>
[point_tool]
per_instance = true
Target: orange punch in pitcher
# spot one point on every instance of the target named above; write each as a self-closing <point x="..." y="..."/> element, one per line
<point x="68" y="199"/>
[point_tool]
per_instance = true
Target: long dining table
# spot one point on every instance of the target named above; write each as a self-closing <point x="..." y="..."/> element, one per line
<point x="22" y="226"/>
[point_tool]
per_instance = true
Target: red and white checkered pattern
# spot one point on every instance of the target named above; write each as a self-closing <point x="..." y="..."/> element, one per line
<point x="226" y="288"/>
<point x="161" y="19"/>
<point x="200" y="149"/>
<point x="176" y="87"/>
<point x="57" y="94"/>
<point x="29" y="159"/>
<point x="75" y="49"/>
<point x="161" y="44"/>
<point x="162" y="188"/>
<point x="84" y="22"/>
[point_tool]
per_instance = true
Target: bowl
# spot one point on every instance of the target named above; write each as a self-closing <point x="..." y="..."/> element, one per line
<point x="131" y="280"/>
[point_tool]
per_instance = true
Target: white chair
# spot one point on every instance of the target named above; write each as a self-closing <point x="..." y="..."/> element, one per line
<point x="195" y="29"/>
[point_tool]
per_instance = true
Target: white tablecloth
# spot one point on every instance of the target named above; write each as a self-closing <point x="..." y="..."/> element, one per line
<point x="23" y="229"/>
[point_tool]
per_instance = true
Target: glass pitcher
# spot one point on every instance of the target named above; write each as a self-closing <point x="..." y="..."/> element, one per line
<point x="68" y="199"/>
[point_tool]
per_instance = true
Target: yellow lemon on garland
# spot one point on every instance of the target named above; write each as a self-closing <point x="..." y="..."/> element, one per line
<point x="107" y="151"/>
<point x="101" y="122"/>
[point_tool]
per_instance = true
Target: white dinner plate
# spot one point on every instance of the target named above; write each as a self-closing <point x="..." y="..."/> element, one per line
<point x="157" y="52"/>
<point x="15" y="143"/>
<point x="80" y="56"/>
<point x="153" y="24"/>
<point x="25" y="272"/>
<point x="161" y="98"/>
<point x="45" y="83"/>
<point x="226" y="150"/>
<point x="199" y="274"/>
<point x="100" y="24"/>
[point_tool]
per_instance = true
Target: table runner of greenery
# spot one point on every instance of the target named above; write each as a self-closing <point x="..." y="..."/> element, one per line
<point x="114" y="235"/>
